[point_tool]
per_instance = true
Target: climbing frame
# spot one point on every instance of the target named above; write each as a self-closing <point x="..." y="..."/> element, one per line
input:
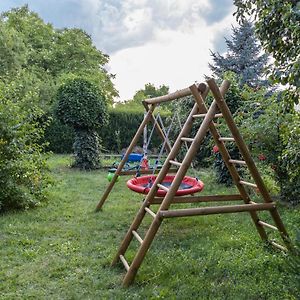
<point x="218" y="109"/>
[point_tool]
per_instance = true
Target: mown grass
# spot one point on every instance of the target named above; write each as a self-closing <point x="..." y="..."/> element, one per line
<point x="63" y="250"/>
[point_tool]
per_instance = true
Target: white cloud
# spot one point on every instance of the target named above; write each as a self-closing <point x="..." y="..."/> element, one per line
<point x="176" y="58"/>
<point x="157" y="41"/>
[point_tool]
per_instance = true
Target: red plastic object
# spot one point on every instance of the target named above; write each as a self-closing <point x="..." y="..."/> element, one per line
<point x="143" y="185"/>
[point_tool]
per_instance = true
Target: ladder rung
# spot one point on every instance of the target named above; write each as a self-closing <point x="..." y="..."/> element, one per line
<point x="226" y="139"/>
<point x="216" y="210"/>
<point x="175" y="163"/>
<point x="186" y="139"/>
<point x="248" y="183"/>
<point x="239" y="162"/>
<point x="162" y="187"/>
<point x="267" y="225"/>
<point x="137" y="236"/>
<point x="124" y="261"/>
<point x="203" y="115"/>
<point x="150" y="212"/>
<point x="278" y="246"/>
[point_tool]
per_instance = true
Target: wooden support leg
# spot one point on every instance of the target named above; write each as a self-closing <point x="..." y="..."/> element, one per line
<point x="125" y="158"/>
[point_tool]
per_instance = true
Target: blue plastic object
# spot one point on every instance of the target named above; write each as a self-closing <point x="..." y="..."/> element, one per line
<point x="134" y="157"/>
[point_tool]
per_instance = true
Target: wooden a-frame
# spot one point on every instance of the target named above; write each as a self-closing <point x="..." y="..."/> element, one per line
<point x="217" y="109"/>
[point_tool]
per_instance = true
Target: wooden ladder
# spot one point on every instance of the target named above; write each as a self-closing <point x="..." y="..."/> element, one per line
<point x="199" y="111"/>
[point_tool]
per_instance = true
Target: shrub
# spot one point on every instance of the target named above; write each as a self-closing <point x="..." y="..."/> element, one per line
<point x="273" y="134"/>
<point x="82" y="106"/>
<point x="23" y="176"/>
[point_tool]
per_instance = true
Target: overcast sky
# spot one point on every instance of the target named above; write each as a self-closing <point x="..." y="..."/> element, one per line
<point x="157" y="41"/>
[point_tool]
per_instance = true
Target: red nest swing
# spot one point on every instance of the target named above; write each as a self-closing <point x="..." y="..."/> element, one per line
<point x="143" y="185"/>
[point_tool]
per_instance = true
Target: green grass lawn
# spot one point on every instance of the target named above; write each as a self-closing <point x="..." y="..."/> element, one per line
<point x="63" y="250"/>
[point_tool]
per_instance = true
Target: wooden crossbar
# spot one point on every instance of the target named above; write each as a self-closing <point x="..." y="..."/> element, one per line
<point x="248" y="183"/>
<point x="175" y="163"/>
<point x="267" y="225"/>
<point x="137" y="236"/>
<point x="176" y="95"/>
<point x="144" y="172"/>
<point x="195" y="199"/>
<point x="150" y="212"/>
<point x="124" y="261"/>
<point x="203" y="115"/>
<point x="226" y="139"/>
<point x="238" y="162"/>
<point x="216" y="210"/>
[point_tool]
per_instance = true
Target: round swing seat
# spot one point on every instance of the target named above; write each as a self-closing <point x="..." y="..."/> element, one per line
<point x="143" y="185"/>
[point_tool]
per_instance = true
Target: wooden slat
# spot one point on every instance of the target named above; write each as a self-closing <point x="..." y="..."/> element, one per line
<point x="267" y="225"/>
<point x="137" y="236"/>
<point x="162" y="187"/>
<point x="186" y="139"/>
<point x="248" y="183"/>
<point x="216" y="210"/>
<point x="226" y="139"/>
<point x="238" y="162"/>
<point x="175" y="163"/>
<point x="150" y="212"/>
<point x="195" y="199"/>
<point x="278" y="246"/>
<point x="204" y="115"/>
<point x="124" y="261"/>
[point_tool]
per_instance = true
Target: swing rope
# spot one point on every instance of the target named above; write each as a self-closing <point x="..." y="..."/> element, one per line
<point x="145" y="147"/>
<point x="166" y="134"/>
<point x="186" y="146"/>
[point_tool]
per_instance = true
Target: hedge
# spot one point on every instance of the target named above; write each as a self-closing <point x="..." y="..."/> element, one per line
<point x="116" y="135"/>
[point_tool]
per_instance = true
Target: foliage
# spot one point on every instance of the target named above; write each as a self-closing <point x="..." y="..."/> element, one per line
<point x="244" y="57"/>
<point x="87" y="148"/>
<point x="59" y="137"/>
<point x="23" y="176"/>
<point x="124" y="120"/>
<point x="234" y="101"/>
<point x="222" y="174"/>
<point x="293" y="261"/>
<point x="202" y="257"/>
<point x="82" y="106"/>
<point x="150" y="91"/>
<point x="35" y="59"/>
<point x="278" y="28"/>
<point x="262" y="113"/>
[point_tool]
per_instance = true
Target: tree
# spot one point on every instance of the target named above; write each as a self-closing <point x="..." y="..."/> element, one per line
<point x="244" y="57"/>
<point x="277" y="26"/>
<point x="82" y="106"/>
<point x="150" y="91"/>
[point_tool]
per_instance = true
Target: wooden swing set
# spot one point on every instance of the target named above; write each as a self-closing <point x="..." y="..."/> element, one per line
<point x="217" y="109"/>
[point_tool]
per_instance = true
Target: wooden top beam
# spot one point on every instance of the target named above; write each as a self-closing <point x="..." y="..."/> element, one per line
<point x="176" y="95"/>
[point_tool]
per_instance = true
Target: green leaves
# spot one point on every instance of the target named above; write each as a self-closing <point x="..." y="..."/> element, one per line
<point x="278" y="28"/>
<point x="23" y="177"/>
<point x="81" y="105"/>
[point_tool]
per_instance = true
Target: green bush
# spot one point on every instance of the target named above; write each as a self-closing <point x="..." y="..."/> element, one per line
<point x="81" y="105"/>
<point x="273" y="133"/>
<point x="23" y="176"/>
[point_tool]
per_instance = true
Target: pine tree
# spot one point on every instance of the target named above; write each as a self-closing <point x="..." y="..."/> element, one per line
<point x="244" y="57"/>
